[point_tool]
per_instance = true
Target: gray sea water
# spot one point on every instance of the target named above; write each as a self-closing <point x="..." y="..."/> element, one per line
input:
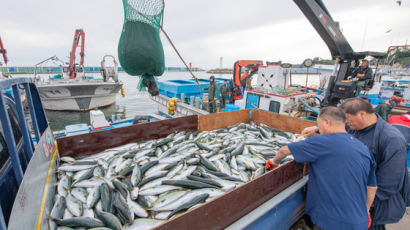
<point x="136" y="102"/>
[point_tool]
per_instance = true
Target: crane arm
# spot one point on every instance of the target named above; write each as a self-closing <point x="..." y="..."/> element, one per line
<point x="79" y="34"/>
<point x="3" y="52"/>
<point x="250" y="64"/>
<point x="318" y="15"/>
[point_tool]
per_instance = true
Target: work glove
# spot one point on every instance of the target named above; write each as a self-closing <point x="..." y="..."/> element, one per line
<point x="270" y="165"/>
<point x="370" y="220"/>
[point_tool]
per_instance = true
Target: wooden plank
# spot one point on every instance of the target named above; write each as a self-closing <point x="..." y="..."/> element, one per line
<point x="222" y="120"/>
<point x="282" y="122"/>
<point x="91" y="143"/>
<point x="226" y="209"/>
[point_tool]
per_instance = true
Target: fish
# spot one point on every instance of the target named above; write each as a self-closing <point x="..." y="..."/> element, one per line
<point x="185" y="206"/>
<point x="74" y="206"/>
<point x="80" y="222"/>
<point x="109" y="220"/>
<point x="57" y="211"/>
<point x="190" y="184"/>
<point x="140" y="185"/>
<point x="143" y="224"/>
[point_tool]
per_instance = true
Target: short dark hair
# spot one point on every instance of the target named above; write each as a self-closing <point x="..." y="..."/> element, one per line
<point x="355" y="105"/>
<point x="212" y="77"/>
<point x="333" y="113"/>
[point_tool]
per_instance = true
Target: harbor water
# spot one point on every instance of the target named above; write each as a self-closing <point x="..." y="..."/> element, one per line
<point x="138" y="103"/>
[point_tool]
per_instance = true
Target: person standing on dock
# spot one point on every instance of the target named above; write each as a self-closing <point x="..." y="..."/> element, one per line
<point x="342" y="180"/>
<point x="389" y="148"/>
<point x="222" y="95"/>
<point x="212" y="94"/>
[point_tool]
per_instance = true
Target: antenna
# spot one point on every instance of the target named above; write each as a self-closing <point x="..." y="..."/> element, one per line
<point x="221" y="60"/>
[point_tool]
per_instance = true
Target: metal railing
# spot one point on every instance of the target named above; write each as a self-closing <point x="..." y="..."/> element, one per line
<point x="12" y="107"/>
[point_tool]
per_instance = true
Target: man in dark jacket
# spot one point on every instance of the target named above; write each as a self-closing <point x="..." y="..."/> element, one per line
<point x="362" y="74"/>
<point x="212" y="94"/>
<point x="389" y="149"/>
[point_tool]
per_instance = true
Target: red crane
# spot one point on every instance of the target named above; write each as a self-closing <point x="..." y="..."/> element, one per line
<point x="3" y="52"/>
<point x="79" y="34"/>
<point x="239" y="78"/>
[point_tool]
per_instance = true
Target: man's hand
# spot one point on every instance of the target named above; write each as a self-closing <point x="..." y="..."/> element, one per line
<point x="309" y="131"/>
<point x="270" y="165"/>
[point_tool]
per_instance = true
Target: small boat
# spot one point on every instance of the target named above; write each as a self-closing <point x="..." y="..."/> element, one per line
<point x="98" y="122"/>
<point x="72" y="90"/>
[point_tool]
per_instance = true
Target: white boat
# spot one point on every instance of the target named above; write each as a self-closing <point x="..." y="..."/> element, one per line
<point x="82" y="93"/>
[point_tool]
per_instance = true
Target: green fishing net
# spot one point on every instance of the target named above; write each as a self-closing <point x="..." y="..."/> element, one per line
<point x="140" y="50"/>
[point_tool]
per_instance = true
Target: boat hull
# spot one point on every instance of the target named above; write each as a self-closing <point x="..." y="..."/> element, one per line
<point x="78" y="96"/>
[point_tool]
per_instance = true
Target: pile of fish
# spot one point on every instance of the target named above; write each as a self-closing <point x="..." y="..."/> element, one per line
<point x="140" y="185"/>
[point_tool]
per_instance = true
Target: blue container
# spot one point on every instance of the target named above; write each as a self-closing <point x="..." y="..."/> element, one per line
<point x="77" y="129"/>
<point x="231" y="107"/>
<point x="174" y="88"/>
<point x="376" y="101"/>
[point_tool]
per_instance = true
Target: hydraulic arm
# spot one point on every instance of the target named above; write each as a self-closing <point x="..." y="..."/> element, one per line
<point x="79" y="34"/>
<point x="3" y="52"/>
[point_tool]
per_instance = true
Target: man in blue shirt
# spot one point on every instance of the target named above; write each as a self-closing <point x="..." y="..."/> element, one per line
<point x="342" y="181"/>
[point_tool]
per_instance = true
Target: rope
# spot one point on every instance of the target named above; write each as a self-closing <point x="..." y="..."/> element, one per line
<point x="179" y="55"/>
<point x="176" y="51"/>
<point x="173" y="46"/>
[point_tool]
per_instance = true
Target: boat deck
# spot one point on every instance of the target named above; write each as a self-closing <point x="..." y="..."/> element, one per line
<point x="403" y="224"/>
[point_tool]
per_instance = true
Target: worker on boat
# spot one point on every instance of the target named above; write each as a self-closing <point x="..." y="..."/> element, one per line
<point x="383" y="109"/>
<point x="342" y="180"/>
<point x="397" y="98"/>
<point x="222" y="95"/>
<point x="362" y="75"/>
<point x="389" y="148"/>
<point x="231" y="89"/>
<point x="212" y="94"/>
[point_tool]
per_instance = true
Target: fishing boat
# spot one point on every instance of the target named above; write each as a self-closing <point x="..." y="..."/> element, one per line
<point x="72" y="90"/>
<point x="98" y="122"/>
<point x="269" y="90"/>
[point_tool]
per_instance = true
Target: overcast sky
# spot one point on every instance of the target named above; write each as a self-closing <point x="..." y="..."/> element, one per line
<point x="203" y="31"/>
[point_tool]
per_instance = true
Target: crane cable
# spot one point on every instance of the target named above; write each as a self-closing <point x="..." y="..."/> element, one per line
<point x="173" y="46"/>
<point x="176" y="50"/>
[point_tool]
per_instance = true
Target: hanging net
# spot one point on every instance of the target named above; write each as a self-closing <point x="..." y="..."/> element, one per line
<point x="140" y="50"/>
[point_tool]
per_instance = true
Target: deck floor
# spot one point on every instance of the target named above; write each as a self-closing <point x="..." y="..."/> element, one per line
<point x="404" y="223"/>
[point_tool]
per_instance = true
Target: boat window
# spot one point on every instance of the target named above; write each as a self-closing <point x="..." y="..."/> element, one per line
<point x="4" y="154"/>
<point x="274" y="106"/>
<point x="15" y="125"/>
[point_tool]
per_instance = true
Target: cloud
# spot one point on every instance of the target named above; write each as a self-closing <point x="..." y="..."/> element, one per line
<point x="203" y="31"/>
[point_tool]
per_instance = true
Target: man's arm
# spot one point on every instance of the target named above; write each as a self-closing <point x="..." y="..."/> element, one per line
<point x="371" y="193"/>
<point x="369" y="74"/>
<point x="310" y="131"/>
<point x="282" y="153"/>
